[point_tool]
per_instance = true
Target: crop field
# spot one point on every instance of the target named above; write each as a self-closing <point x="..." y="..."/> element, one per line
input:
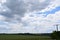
<point x="24" y="37"/>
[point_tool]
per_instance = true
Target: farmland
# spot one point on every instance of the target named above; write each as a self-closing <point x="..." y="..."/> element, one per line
<point x="24" y="37"/>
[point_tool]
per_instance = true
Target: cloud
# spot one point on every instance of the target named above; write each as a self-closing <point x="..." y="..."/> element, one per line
<point x="20" y="7"/>
<point x="28" y="16"/>
<point x="40" y="23"/>
<point x="2" y="1"/>
<point x="4" y="27"/>
<point x="54" y="17"/>
<point x="2" y="17"/>
<point x="53" y="5"/>
<point x="34" y="24"/>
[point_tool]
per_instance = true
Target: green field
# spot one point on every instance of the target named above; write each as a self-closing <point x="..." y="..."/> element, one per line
<point x="24" y="37"/>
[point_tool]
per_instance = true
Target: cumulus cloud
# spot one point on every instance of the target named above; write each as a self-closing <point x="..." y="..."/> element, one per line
<point x="2" y="17"/>
<point x="23" y="16"/>
<point x="53" y="5"/>
<point x="54" y="17"/>
<point x="19" y="7"/>
<point x="41" y="23"/>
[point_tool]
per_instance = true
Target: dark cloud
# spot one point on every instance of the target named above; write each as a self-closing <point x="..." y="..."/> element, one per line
<point x="19" y="8"/>
<point x="38" y="6"/>
<point x="16" y="7"/>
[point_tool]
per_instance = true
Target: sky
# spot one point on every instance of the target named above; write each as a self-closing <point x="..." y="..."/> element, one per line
<point x="29" y="16"/>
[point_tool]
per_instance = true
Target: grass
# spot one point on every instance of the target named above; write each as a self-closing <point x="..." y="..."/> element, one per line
<point x="24" y="37"/>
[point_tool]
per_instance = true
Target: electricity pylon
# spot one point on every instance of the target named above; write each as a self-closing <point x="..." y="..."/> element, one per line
<point x="57" y="27"/>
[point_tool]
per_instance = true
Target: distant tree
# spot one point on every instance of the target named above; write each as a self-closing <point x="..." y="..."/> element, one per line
<point x="55" y="35"/>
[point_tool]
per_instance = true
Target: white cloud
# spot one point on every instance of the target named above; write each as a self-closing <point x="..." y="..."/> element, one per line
<point x="2" y="1"/>
<point x="2" y="18"/>
<point x="35" y="24"/>
<point x="54" y="17"/>
<point x="24" y="17"/>
<point x="52" y="5"/>
<point x="44" y="22"/>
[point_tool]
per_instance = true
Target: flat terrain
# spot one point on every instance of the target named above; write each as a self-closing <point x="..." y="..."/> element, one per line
<point x="24" y="37"/>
